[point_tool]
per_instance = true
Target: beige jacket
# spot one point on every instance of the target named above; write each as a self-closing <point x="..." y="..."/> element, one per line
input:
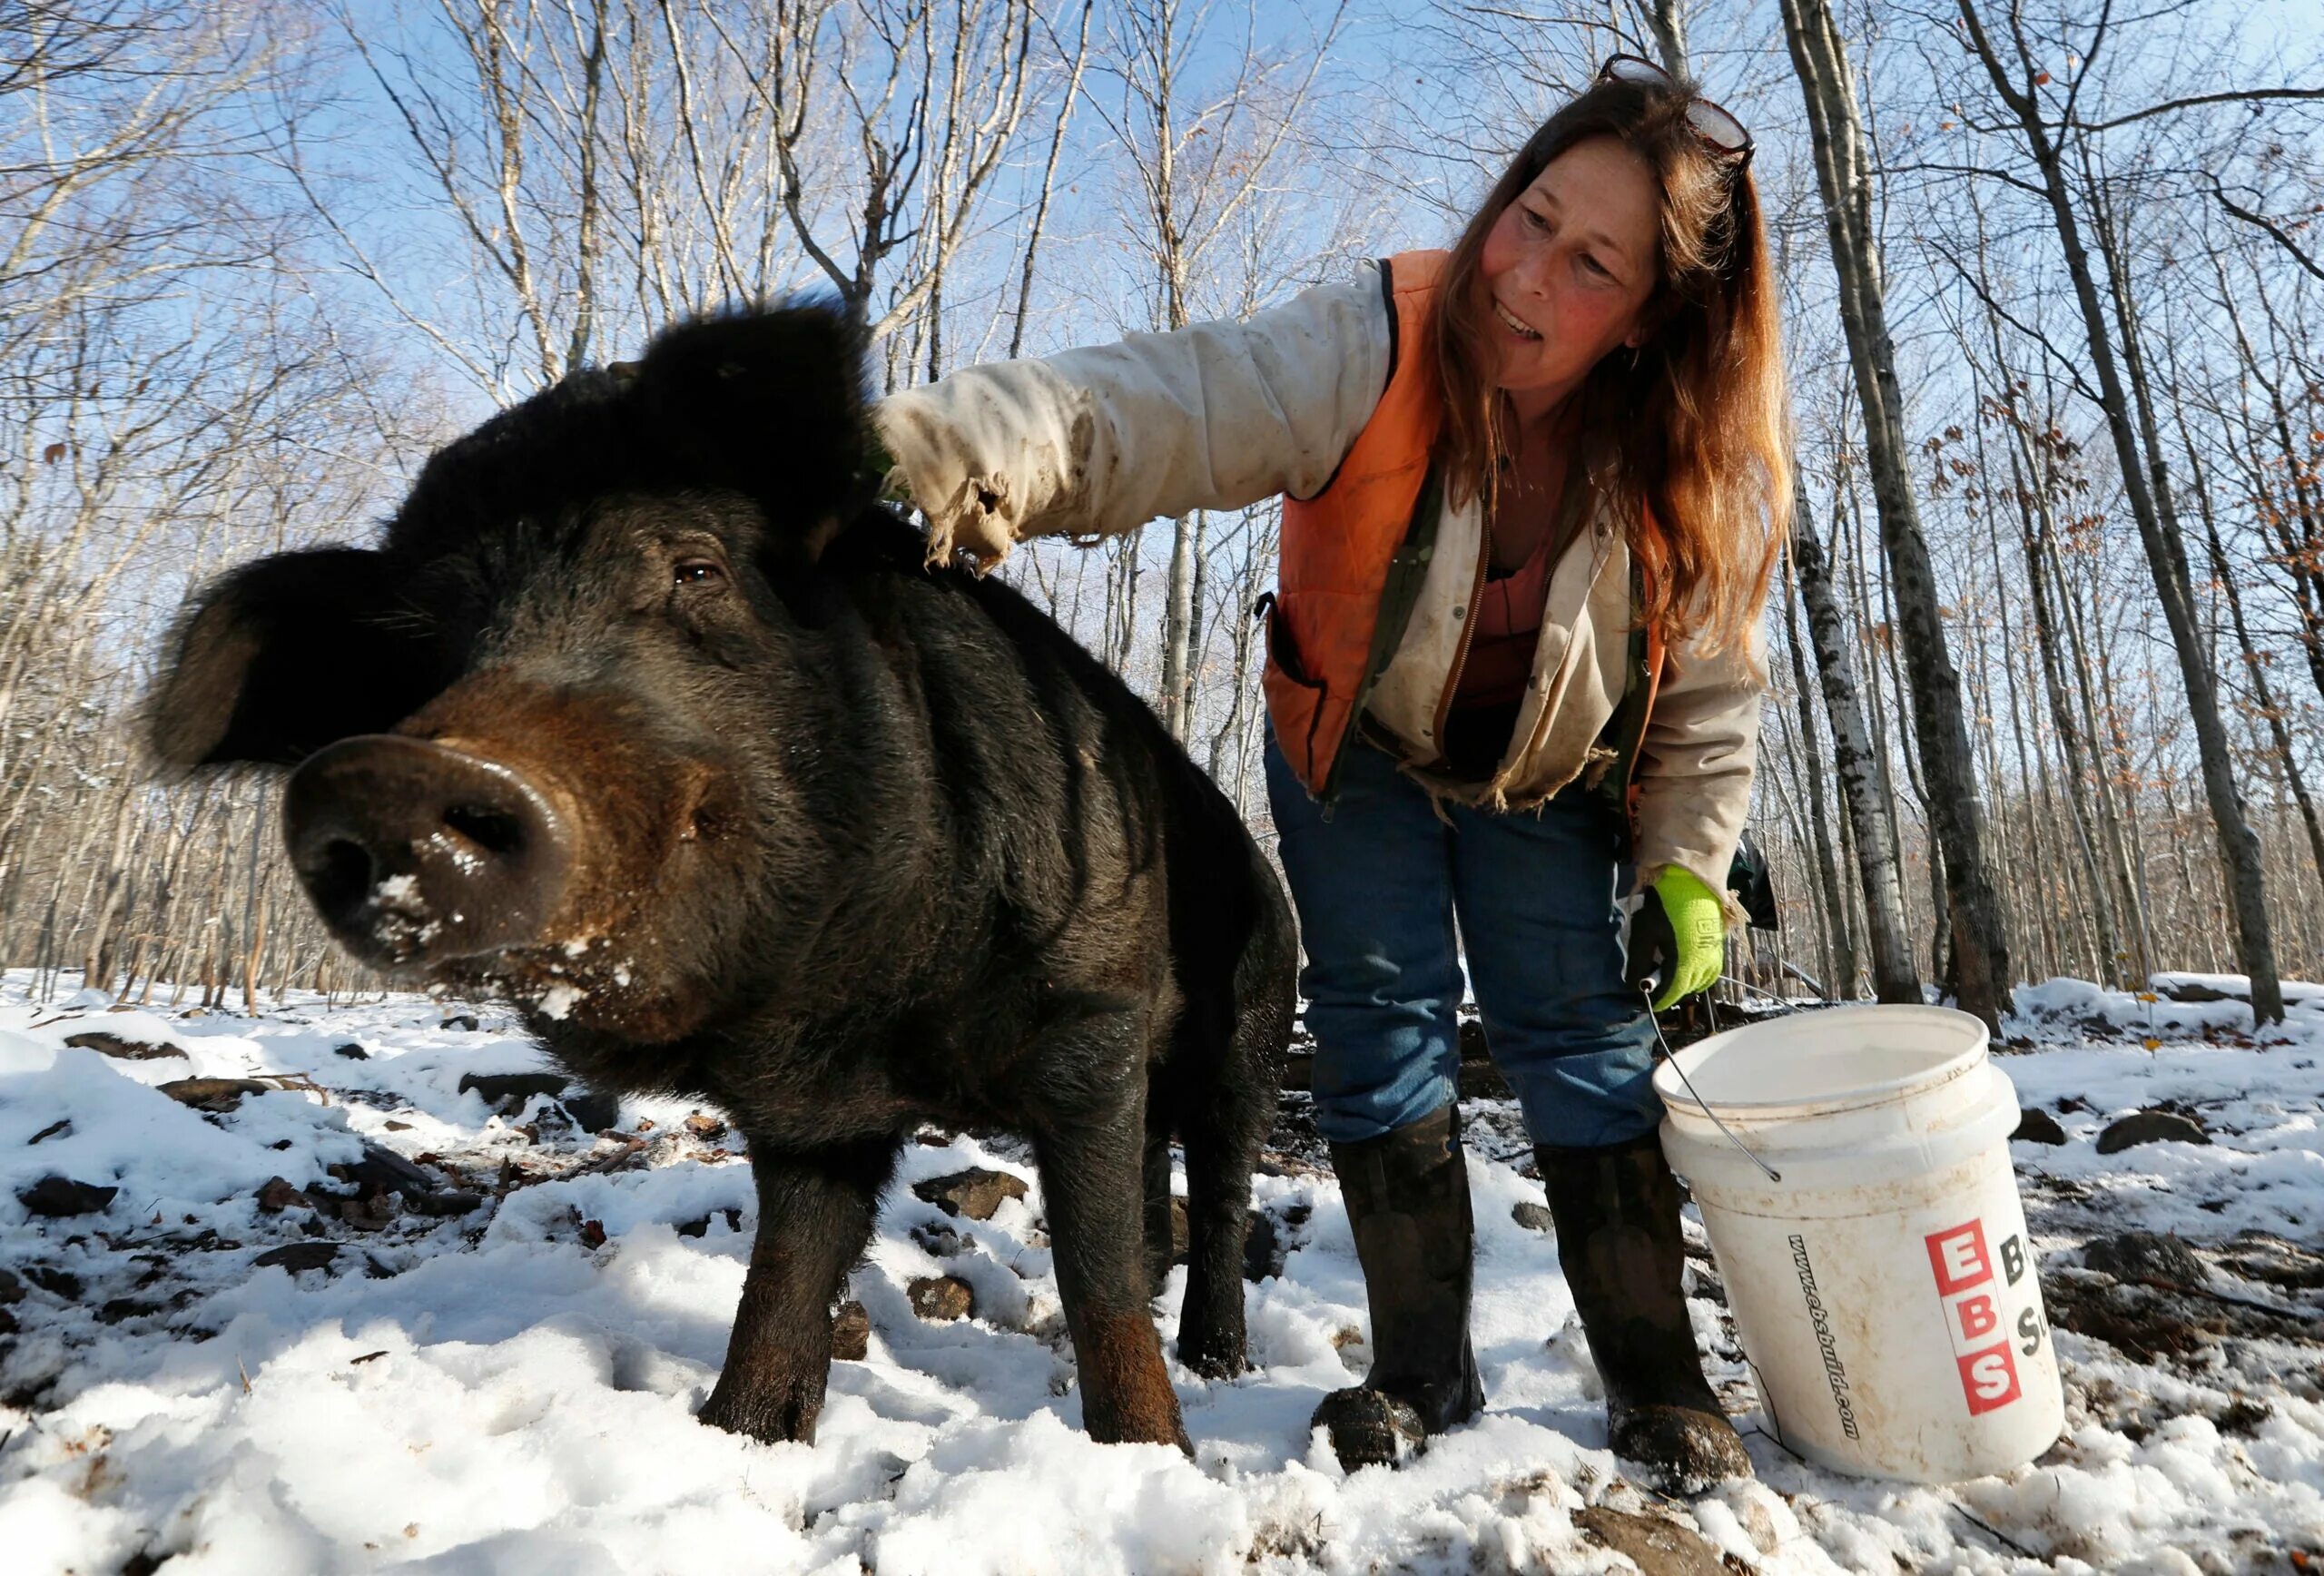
<point x="1220" y="416"/>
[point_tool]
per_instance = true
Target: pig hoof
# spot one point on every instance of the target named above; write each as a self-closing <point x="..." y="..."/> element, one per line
<point x="1214" y="1359"/>
<point x="769" y="1414"/>
<point x="1370" y="1427"/>
<point x="1124" y="1429"/>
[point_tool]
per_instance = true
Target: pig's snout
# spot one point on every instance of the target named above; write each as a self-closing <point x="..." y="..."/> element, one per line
<point x="417" y="853"/>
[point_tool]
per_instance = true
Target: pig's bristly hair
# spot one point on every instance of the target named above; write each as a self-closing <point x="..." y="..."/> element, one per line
<point x="767" y="402"/>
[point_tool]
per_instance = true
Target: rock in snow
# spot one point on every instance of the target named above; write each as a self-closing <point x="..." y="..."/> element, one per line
<point x="2146" y="1256"/>
<point x="495" y="1087"/>
<point x="382" y="1170"/>
<point x="212" y="1094"/>
<point x="976" y="1193"/>
<point x="851" y="1332"/>
<point x="1656" y="1545"/>
<point x="942" y="1297"/>
<point x="2150" y="1128"/>
<point x="61" y="1196"/>
<point x="278" y="1195"/>
<point x="1263" y="1248"/>
<point x="592" y="1111"/>
<point x="2036" y="1125"/>
<point x="121" y="1047"/>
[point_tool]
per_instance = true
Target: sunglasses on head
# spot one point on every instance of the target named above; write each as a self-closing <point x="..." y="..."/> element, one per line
<point x="1720" y="132"/>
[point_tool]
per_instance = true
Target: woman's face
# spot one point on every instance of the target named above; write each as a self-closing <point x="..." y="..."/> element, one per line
<point x="1568" y="267"/>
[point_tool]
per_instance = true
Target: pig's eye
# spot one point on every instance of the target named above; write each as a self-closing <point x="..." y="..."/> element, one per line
<point x="695" y="572"/>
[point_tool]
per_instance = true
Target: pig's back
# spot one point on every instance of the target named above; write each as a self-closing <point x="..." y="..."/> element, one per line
<point x="993" y="662"/>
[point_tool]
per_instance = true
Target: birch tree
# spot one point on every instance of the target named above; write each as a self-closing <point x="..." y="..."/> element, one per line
<point x="1894" y="978"/>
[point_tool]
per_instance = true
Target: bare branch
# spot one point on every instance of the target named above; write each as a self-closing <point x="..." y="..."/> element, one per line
<point x="2250" y="95"/>
<point x="2261" y="222"/>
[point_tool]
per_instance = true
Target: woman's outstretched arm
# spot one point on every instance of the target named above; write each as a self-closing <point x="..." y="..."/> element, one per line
<point x="1098" y="442"/>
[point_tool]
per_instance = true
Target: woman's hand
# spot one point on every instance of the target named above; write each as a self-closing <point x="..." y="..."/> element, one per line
<point x="889" y="483"/>
<point x="1698" y="925"/>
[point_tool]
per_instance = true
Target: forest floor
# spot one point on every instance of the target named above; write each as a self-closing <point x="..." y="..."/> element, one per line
<point x="347" y="1315"/>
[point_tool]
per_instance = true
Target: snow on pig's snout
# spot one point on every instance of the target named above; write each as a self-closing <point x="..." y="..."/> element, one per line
<point x="501" y="834"/>
<point x="413" y="852"/>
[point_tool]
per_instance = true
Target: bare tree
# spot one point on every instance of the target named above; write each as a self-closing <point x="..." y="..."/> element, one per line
<point x="1893" y="975"/>
<point x="2146" y="478"/>
<point x="1198" y="157"/>
<point x="609" y="165"/>
<point x="228" y="325"/>
<point x="1980" y="953"/>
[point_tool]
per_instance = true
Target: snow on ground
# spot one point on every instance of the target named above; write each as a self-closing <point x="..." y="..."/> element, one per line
<point x="510" y="1385"/>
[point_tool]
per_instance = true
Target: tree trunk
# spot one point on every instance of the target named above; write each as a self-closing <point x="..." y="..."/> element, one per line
<point x="1840" y="966"/>
<point x="1980" y="951"/>
<point x="2033" y="537"/>
<point x="2242" y="874"/>
<point x="1668" y="21"/>
<point x="1177" y="627"/>
<point x="2254" y="663"/>
<point x="1893" y="976"/>
<point x="1809" y="822"/>
<point x="2299" y="529"/>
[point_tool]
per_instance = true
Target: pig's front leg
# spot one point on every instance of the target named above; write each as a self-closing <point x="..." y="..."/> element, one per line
<point x="815" y="1214"/>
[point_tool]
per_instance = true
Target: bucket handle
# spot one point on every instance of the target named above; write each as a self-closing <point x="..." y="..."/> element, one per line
<point x="1677" y="1067"/>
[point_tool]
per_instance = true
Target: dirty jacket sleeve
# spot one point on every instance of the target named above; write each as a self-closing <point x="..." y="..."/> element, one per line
<point x="1098" y="441"/>
<point x="1695" y="762"/>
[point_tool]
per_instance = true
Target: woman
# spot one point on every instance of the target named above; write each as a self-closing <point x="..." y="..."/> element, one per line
<point x="1533" y="488"/>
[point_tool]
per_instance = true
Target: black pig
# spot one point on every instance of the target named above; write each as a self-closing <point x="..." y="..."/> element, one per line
<point x="645" y="717"/>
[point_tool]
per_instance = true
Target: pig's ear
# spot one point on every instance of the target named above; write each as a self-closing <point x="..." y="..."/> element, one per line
<point x="283" y="655"/>
<point x="769" y="402"/>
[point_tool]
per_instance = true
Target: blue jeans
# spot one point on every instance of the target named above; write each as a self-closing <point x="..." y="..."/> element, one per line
<point x="1377" y="887"/>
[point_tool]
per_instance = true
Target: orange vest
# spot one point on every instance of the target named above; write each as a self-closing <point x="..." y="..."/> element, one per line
<point x="1339" y="548"/>
<point x="1337" y="545"/>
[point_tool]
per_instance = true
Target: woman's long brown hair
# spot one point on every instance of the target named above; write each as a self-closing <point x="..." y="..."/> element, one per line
<point x="1689" y="436"/>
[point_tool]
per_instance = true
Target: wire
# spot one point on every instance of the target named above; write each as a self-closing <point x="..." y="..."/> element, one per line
<point x="1671" y="1057"/>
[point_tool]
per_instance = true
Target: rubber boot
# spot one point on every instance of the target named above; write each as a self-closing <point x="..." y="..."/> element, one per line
<point x="1617" y="1215"/>
<point x="1407" y="1195"/>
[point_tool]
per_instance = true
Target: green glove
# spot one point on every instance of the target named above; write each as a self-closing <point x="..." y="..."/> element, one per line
<point x="1697" y="934"/>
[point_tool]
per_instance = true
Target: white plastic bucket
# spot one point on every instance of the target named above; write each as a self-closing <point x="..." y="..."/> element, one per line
<point x="1883" y="1283"/>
